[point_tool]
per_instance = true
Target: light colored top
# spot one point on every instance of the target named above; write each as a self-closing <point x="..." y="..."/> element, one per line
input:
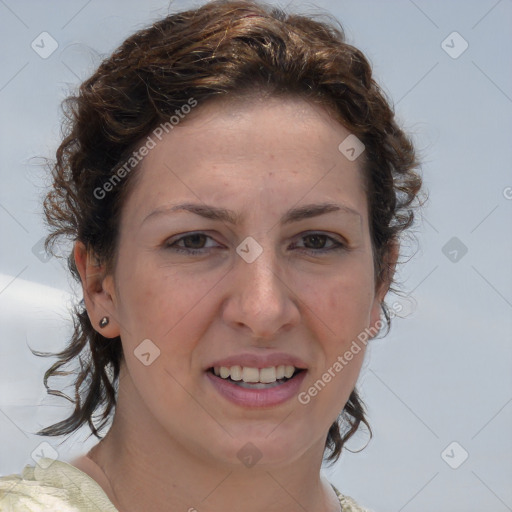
<point x="53" y="485"/>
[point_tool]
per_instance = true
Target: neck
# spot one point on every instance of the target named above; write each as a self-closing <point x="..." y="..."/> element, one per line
<point x="145" y="469"/>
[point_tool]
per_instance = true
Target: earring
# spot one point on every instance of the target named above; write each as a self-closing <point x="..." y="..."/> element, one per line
<point x="104" y="321"/>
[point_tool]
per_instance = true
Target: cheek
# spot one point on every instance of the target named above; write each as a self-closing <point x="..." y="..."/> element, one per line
<point x="343" y="299"/>
<point x="165" y="305"/>
<point x="341" y="310"/>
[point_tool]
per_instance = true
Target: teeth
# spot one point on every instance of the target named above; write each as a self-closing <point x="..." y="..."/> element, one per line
<point x="268" y="375"/>
<point x="254" y="375"/>
<point x="249" y="374"/>
<point x="236" y="373"/>
<point x="288" y="371"/>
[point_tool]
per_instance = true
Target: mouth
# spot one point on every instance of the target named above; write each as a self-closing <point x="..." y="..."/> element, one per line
<point x="256" y="378"/>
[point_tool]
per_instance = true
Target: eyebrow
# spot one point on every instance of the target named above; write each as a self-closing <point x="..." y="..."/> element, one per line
<point x="229" y="216"/>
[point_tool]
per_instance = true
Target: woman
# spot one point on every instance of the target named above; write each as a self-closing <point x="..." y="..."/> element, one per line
<point x="235" y="185"/>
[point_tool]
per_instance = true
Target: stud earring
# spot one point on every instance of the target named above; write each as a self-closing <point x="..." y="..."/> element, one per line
<point x="104" y="321"/>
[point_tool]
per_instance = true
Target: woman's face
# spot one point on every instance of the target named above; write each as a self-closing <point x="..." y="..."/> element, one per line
<point x="244" y="276"/>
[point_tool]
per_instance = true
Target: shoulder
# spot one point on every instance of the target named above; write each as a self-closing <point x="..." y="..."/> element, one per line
<point x="52" y="485"/>
<point x="348" y="504"/>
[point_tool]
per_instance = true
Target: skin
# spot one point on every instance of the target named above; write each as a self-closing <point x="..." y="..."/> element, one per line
<point x="174" y="440"/>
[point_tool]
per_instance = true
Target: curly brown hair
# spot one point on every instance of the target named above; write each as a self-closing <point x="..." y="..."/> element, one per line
<point x="226" y="48"/>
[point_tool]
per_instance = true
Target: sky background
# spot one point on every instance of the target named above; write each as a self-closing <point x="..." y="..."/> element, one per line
<point x="438" y="388"/>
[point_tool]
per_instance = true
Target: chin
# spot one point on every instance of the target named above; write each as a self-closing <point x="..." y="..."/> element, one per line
<point x="264" y="449"/>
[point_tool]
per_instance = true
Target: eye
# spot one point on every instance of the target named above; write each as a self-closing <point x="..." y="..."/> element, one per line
<point x="193" y="243"/>
<point x="318" y="241"/>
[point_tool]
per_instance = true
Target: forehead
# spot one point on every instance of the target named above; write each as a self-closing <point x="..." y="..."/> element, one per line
<point x="260" y="125"/>
<point x="262" y="146"/>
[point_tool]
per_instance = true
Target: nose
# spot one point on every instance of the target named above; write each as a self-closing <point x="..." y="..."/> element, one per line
<point x="261" y="298"/>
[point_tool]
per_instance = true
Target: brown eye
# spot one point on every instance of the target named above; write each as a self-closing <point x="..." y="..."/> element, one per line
<point x="196" y="241"/>
<point x="318" y="243"/>
<point x="193" y="243"/>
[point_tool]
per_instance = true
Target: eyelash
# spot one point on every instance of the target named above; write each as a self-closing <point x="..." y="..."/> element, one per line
<point x="184" y="250"/>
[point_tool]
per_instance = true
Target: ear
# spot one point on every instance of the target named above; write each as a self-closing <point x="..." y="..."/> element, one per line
<point x="389" y="266"/>
<point x="98" y="290"/>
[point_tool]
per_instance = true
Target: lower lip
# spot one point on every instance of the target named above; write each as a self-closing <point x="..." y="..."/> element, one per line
<point x="257" y="397"/>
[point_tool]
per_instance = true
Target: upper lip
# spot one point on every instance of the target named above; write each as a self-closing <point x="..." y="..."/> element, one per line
<point x="259" y="361"/>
